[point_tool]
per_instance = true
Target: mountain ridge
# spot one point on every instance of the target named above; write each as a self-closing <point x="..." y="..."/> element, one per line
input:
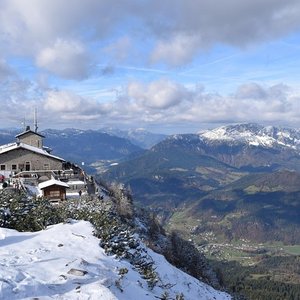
<point x="218" y="174"/>
<point x="243" y="146"/>
<point x="255" y="135"/>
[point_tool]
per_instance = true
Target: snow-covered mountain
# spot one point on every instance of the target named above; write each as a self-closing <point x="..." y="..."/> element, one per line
<point x="245" y="147"/>
<point x="65" y="261"/>
<point x="255" y="135"/>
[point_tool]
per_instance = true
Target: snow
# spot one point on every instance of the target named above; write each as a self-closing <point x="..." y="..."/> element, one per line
<point x="74" y="194"/>
<point x="65" y="261"/>
<point x="4" y="147"/>
<point x="33" y="190"/>
<point x="13" y="146"/>
<point x="223" y="134"/>
<point x="254" y="135"/>
<point x="76" y="182"/>
<point x="52" y="182"/>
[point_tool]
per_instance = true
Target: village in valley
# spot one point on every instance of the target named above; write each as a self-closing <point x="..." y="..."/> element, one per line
<point x="28" y="165"/>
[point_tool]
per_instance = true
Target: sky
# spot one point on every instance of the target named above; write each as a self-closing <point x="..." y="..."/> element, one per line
<point x="169" y="66"/>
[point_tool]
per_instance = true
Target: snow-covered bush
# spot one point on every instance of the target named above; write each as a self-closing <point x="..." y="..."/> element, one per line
<point x="18" y="211"/>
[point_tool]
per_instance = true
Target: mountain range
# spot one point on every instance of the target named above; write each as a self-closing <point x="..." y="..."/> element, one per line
<point x="211" y="159"/>
<point x="139" y="136"/>
<point x="243" y="146"/>
<point x="233" y="191"/>
<point x="216" y="172"/>
<point x="88" y="146"/>
<point x="256" y="135"/>
<point x="244" y="170"/>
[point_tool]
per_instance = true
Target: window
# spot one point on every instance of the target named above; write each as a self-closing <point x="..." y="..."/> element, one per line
<point x="27" y="166"/>
<point x="54" y="194"/>
<point x="46" y="167"/>
<point x="13" y="167"/>
<point x="2" y="167"/>
<point x="21" y="167"/>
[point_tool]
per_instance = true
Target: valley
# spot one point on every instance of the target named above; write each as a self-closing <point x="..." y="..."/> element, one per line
<point x="235" y="194"/>
<point x="245" y="253"/>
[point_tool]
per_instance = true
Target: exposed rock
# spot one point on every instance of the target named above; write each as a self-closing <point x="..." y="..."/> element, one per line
<point x="77" y="272"/>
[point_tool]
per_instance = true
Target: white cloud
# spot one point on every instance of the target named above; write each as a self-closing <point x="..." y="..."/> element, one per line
<point x="251" y="103"/>
<point x="277" y="104"/>
<point x="39" y="22"/>
<point x="164" y="103"/>
<point x="161" y="94"/>
<point x="62" y="101"/>
<point x="69" y="106"/>
<point x="160" y="103"/>
<point x="66" y="38"/>
<point x="250" y="91"/>
<point x="179" y="29"/>
<point x="53" y="32"/>
<point x="65" y="58"/>
<point x="176" y="51"/>
<point x="203" y="24"/>
<point x="14" y="111"/>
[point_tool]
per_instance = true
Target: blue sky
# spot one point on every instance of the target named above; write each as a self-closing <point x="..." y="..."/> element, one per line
<point x="168" y="66"/>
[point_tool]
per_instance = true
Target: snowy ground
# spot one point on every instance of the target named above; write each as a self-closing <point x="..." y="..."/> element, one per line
<point x="65" y="261"/>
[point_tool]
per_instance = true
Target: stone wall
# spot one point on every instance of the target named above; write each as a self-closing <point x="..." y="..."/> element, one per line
<point x="32" y="139"/>
<point x="23" y="159"/>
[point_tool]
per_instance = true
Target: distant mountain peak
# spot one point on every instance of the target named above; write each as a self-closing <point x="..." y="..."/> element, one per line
<point x="255" y="135"/>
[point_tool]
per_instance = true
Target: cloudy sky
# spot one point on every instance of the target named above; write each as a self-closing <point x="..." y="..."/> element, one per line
<point x="167" y="66"/>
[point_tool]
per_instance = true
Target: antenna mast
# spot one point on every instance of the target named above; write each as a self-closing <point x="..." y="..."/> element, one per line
<point x="23" y="123"/>
<point x="35" y="120"/>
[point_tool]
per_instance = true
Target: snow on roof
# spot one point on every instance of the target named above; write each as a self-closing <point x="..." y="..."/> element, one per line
<point x="75" y="182"/>
<point x="52" y="182"/>
<point x="3" y="147"/>
<point x="13" y="146"/>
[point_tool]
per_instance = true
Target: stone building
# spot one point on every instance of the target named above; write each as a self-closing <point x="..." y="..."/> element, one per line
<point x="27" y="154"/>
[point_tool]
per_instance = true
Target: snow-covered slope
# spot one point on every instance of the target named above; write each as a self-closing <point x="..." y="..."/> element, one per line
<point x="256" y="135"/>
<point x="65" y="261"/>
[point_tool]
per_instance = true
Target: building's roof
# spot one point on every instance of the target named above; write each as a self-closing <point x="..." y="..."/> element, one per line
<point x="75" y="182"/>
<point x="29" y="131"/>
<point x="51" y="182"/>
<point x="14" y="146"/>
